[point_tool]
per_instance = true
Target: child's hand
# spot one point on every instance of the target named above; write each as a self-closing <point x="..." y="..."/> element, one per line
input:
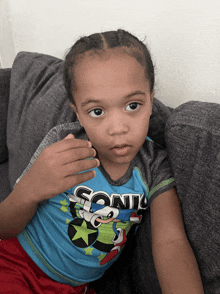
<point x="56" y="168"/>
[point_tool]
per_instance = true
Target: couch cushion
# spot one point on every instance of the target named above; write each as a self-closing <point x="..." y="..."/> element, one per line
<point x="5" y="188"/>
<point x="38" y="102"/>
<point x="193" y="142"/>
<point x="4" y="98"/>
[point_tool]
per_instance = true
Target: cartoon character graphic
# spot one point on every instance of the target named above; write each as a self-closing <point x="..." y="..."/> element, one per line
<point x="108" y="226"/>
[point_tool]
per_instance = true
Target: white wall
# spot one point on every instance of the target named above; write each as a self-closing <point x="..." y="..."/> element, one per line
<point x="183" y="36"/>
<point x="7" y="49"/>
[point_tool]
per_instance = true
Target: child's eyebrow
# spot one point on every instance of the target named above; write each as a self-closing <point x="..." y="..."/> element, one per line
<point x="135" y="93"/>
<point x="92" y="100"/>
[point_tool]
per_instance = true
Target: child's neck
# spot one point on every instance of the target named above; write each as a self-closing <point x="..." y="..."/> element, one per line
<point x="115" y="171"/>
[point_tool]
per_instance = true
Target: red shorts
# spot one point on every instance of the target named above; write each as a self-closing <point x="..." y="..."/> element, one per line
<point x="20" y="275"/>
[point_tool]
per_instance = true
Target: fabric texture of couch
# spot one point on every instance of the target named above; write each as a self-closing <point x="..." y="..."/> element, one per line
<point x="33" y="100"/>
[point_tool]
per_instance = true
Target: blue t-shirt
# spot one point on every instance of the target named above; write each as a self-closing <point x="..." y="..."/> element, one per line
<point x="76" y="236"/>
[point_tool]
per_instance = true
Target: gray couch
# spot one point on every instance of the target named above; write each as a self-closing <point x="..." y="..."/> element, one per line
<point x="33" y="100"/>
<point x="5" y="188"/>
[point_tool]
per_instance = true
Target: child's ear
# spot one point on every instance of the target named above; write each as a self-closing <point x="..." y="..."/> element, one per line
<point x="74" y="108"/>
<point x="152" y="96"/>
<point x="152" y="99"/>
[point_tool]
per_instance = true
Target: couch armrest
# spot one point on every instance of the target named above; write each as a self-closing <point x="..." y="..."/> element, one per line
<point x="193" y="143"/>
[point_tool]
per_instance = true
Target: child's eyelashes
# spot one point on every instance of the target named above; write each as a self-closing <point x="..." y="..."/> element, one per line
<point x="96" y="112"/>
<point x="133" y="106"/>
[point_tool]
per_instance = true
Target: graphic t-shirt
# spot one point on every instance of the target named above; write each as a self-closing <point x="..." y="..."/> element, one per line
<point x="76" y="236"/>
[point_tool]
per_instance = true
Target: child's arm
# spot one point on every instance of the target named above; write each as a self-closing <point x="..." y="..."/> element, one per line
<point x="174" y="260"/>
<point x="53" y="172"/>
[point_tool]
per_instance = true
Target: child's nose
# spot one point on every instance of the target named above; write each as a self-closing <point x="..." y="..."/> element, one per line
<point x="117" y="125"/>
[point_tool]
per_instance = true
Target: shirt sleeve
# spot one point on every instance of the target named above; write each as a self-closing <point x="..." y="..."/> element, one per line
<point x="49" y="139"/>
<point x="161" y="178"/>
<point x="56" y="134"/>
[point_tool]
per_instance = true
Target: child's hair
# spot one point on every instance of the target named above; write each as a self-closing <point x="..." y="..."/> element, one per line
<point x="99" y="43"/>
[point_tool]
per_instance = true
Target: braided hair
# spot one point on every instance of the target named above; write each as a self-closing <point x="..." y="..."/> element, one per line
<point x="100" y="42"/>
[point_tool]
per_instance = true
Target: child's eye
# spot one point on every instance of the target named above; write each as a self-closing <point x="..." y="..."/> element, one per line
<point x="132" y="106"/>
<point x="96" y="112"/>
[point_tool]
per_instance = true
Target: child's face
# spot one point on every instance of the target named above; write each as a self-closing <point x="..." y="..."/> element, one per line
<point x="113" y="104"/>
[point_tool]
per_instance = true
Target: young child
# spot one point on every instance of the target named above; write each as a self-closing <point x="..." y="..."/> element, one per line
<point x="89" y="181"/>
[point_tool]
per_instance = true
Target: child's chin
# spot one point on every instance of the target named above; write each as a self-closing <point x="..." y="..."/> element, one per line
<point x="124" y="159"/>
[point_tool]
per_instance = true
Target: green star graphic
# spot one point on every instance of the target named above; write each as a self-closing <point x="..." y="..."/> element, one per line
<point x="64" y="207"/>
<point x="89" y="250"/>
<point x="67" y="221"/>
<point x="101" y="256"/>
<point x="63" y="202"/>
<point x="82" y="232"/>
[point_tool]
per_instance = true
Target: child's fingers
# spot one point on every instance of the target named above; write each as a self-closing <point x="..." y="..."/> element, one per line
<point x="70" y="142"/>
<point x="69" y="136"/>
<point x="67" y="144"/>
<point x="80" y="166"/>
<point x="80" y="178"/>
<point x="76" y="154"/>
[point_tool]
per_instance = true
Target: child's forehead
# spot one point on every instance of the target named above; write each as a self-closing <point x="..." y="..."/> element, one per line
<point x="107" y="53"/>
<point x="108" y="65"/>
<point x="113" y="61"/>
<point x="115" y="76"/>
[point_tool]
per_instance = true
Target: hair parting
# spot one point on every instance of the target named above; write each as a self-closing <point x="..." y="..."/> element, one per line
<point x="101" y="42"/>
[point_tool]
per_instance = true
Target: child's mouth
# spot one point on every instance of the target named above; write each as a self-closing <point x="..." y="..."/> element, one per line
<point x="121" y="150"/>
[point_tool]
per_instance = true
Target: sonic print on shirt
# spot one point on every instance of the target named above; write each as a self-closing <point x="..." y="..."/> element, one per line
<point x="98" y="226"/>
